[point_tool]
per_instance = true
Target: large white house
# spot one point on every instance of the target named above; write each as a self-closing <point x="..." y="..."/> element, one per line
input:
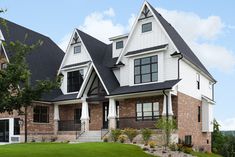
<point x="141" y="76"/>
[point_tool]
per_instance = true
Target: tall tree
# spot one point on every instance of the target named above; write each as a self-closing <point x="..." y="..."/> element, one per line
<point x="16" y="91"/>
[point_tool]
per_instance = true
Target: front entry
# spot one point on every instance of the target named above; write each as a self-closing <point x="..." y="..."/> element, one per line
<point x="4" y="130"/>
<point x="105" y="115"/>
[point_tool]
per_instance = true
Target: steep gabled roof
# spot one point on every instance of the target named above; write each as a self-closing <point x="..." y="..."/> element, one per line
<point x="101" y="54"/>
<point x="44" y="61"/>
<point x="180" y="43"/>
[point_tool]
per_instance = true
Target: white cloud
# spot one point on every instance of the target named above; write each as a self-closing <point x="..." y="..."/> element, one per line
<point x="102" y="26"/>
<point x="227" y="124"/>
<point x="200" y="34"/>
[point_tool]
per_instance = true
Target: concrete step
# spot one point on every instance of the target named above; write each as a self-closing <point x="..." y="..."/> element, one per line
<point x="90" y="136"/>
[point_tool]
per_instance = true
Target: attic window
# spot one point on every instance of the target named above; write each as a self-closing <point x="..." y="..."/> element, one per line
<point x="77" y="49"/>
<point x="119" y="44"/>
<point x="146" y="27"/>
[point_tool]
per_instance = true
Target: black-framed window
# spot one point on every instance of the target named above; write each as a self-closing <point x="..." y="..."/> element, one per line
<point x="41" y="114"/>
<point x="74" y="81"/>
<point x="188" y="140"/>
<point x="147" y="110"/>
<point x="146" y="27"/>
<point x="77" y="115"/>
<point x="16" y="126"/>
<point x="77" y="49"/>
<point x="119" y="44"/>
<point x="146" y="69"/>
<point x="198" y="80"/>
<point x="199" y="114"/>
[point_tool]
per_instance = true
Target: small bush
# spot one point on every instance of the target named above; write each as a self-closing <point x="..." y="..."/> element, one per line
<point x="173" y="147"/>
<point x="131" y="133"/>
<point x="152" y="144"/>
<point x="53" y="138"/>
<point x="43" y="139"/>
<point x="115" y="134"/>
<point x="146" y="134"/>
<point x="180" y="147"/>
<point x="145" y="149"/>
<point x="105" y="139"/>
<point x="122" y="138"/>
<point x="187" y="150"/>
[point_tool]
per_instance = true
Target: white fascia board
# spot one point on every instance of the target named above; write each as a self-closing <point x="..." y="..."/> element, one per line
<point x="119" y="37"/>
<point x="66" y="52"/>
<point x="4" y="50"/>
<point x="89" y="72"/>
<point x="208" y="100"/>
<point x="131" y="33"/>
<point x="68" y="102"/>
<point x="75" y="67"/>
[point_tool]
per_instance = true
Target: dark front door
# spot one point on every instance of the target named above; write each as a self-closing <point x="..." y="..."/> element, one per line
<point x="105" y="115"/>
<point x="4" y="130"/>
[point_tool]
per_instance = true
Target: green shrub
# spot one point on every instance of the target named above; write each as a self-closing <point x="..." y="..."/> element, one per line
<point x="131" y="133"/>
<point x="187" y="150"/>
<point x="146" y="134"/>
<point x="152" y="144"/>
<point x="105" y="139"/>
<point x="173" y="147"/>
<point x="122" y="138"/>
<point x="115" y="134"/>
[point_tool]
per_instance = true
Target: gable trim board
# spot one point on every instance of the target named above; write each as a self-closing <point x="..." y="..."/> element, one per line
<point x="178" y="43"/>
<point x="75" y="65"/>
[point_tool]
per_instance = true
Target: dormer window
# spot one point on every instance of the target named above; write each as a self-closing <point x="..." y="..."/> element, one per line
<point x="74" y="80"/>
<point x="119" y="44"/>
<point x="146" y="69"/>
<point x="146" y="27"/>
<point x="77" y="49"/>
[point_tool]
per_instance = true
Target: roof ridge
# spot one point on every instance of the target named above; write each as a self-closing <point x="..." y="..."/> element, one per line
<point x="24" y="27"/>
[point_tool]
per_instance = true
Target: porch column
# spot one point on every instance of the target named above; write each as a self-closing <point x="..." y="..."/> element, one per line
<point x="170" y="111"/>
<point x="56" y="118"/>
<point x="85" y="115"/>
<point x="112" y="114"/>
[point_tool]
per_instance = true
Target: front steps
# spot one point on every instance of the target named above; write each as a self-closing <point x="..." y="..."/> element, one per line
<point x="90" y="136"/>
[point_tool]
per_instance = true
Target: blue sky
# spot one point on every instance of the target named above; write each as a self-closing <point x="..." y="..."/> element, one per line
<point x="216" y="37"/>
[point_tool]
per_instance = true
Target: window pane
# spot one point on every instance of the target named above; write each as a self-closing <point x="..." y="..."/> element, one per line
<point x="137" y="70"/>
<point x="139" y="114"/>
<point x="146" y="78"/>
<point x="139" y="107"/>
<point x="137" y="61"/>
<point x="77" y="49"/>
<point x="119" y="44"/>
<point x="155" y="106"/>
<point x="154" y="76"/>
<point x="147" y="107"/>
<point x="154" y="59"/>
<point x="146" y="27"/>
<point x="154" y="67"/>
<point x="145" y="60"/>
<point x="148" y="114"/>
<point x="81" y="72"/>
<point x="145" y="69"/>
<point x="156" y="113"/>
<point x="137" y="79"/>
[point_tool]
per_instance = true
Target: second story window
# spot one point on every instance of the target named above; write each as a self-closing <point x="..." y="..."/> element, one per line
<point x="119" y="44"/>
<point x="146" y="27"/>
<point x="146" y="69"/>
<point x="198" y="81"/>
<point x="74" y="81"/>
<point x="77" y="49"/>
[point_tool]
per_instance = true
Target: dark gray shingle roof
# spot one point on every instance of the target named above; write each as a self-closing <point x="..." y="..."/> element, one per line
<point x="145" y="88"/>
<point x="43" y="62"/>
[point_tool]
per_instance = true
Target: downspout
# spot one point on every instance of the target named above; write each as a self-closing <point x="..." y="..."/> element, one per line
<point x="181" y="57"/>
<point x="213" y="92"/>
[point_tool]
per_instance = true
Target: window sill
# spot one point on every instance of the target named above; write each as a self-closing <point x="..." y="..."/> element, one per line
<point x="38" y="123"/>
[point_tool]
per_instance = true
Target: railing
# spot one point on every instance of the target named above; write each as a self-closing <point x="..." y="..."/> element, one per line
<point x="136" y="123"/>
<point x="103" y="132"/>
<point x="69" y="125"/>
<point x="82" y="130"/>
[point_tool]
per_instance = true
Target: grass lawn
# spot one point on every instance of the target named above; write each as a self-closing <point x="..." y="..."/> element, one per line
<point x="204" y="154"/>
<point x="71" y="150"/>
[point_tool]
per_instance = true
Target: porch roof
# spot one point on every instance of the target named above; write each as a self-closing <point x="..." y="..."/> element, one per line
<point x="66" y="97"/>
<point x="145" y="88"/>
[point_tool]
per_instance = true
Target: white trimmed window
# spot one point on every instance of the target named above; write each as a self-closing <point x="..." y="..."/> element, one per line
<point x="77" y="49"/>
